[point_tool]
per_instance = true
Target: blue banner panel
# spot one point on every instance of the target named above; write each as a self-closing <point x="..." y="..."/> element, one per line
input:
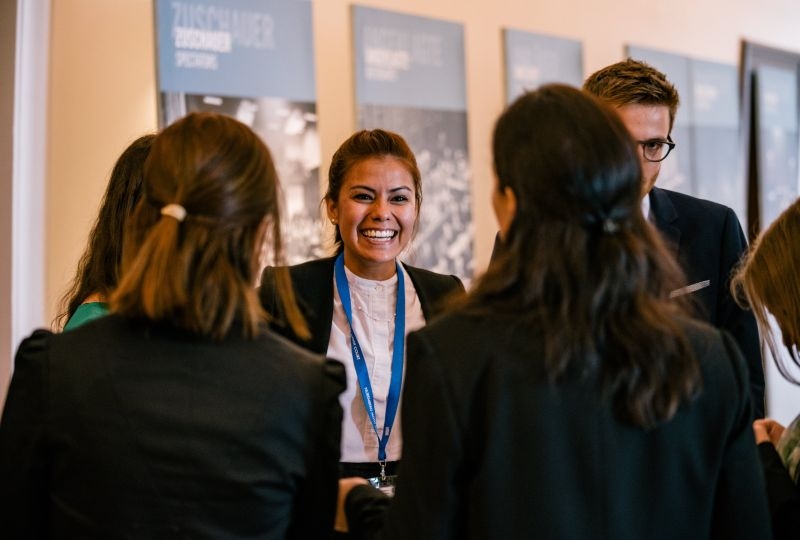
<point x="410" y="80"/>
<point x="776" y="103"/>
<point x="715" y="94"/>
<point x="717" y="162"/>
<point x="236" y="48"/>
<point x="252" y="60"/>
<point x="408" y="61"/>
<point x="536" y="59"/>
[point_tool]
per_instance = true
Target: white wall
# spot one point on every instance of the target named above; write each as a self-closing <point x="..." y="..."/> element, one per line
<point x="23" y="102"/>
<point x="8" y="34"/>
<point x="102" y="82"/>
<point x="102" y="96"/>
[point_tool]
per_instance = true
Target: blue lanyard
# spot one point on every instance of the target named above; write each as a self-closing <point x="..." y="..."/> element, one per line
<point x="364" y="384"/>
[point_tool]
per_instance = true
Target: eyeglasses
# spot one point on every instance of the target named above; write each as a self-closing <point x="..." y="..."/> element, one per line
<point x="656" y="150"/>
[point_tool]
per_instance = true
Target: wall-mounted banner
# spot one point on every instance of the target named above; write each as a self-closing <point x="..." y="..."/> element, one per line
<point x="776" y="92"/>
<point x="716" y="166"/>
<point x="532" y="60"/>
<point x="410" y="80"/>
<point x="253" y="60"/>
<point x="676" y="170"/>
<point x="236" y="47"/>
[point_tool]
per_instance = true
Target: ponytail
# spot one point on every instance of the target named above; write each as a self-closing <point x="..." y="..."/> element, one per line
<point x="191" y="250"/>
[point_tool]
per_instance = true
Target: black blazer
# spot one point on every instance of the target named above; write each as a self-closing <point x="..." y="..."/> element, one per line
<point x="708" y="242"/>
<point x="493" y="450"/>
<point x="121" y="430"/>
<point x="782" y="493"/>
<point x="313" y="287"/>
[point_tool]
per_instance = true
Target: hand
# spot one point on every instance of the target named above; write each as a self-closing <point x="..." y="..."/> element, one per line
<point x="767" y="430"/>
<point x="345" y="485"/>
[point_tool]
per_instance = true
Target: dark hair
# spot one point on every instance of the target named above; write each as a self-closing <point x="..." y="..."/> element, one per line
<point x="199" y="273"/>
<point x="579" y="260"/>
<point x="633" y="82"/>
<point x="99" y="267"/>
<point x="766" y="280"/>
<point x="366" y="144"/>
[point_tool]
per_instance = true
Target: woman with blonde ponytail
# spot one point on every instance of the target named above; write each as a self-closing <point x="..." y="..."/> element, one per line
<point x="195" y="242"/>
<point x="180" y="413"/>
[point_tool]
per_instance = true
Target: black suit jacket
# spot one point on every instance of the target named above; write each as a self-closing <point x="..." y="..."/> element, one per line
<point x="708" y="242"/>
<point x="493" y="450"/>
<point x="122" y="430"/>
<point x="782" y="493"/>
<point x="313" y="287"/>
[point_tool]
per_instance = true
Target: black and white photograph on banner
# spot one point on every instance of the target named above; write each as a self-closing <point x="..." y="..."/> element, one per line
<point x="443" y="242"/>
<point x="290" y="130"/>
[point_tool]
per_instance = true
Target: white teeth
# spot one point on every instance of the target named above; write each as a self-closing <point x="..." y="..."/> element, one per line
<point x="382" y="233"/>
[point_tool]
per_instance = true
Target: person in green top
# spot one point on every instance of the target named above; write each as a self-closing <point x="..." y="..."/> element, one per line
<point x="98" y="269"/>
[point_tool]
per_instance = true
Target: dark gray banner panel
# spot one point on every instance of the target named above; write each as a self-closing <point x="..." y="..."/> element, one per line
<point x="410" y="80"/>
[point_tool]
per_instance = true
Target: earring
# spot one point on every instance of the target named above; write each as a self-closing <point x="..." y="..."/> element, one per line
<point x="333" y="221"/>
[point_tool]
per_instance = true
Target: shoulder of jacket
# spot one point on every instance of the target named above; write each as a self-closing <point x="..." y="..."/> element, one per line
<point x="429" y="276"/>
<point x="691" y="201"/>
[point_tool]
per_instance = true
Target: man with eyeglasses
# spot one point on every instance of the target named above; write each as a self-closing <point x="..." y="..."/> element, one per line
<point x="706" y="237"/>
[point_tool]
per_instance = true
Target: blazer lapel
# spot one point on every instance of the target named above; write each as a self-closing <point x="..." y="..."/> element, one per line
<point x="421" y="291"/>
<point x="664" y="216"/>
<point x="313" y="284"/>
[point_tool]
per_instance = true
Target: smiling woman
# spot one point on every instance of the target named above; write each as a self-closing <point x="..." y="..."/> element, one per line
<point x="361" y="303"/>
<point x="375" y="213"/>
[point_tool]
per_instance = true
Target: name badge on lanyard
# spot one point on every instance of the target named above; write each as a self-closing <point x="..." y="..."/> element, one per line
<point x="385" y="483"/>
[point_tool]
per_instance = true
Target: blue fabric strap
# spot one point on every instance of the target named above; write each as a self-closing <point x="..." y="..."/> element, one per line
<point x="393" y="399"/>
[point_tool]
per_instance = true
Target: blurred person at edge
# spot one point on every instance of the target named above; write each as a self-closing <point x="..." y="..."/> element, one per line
<point x="768" y="281"/>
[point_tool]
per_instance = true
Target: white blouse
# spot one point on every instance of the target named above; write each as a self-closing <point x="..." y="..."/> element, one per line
<point x="373" y="305"/>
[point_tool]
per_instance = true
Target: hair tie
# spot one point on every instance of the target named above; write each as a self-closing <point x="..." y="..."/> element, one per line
<point x="602" y="222"/>
<point x="610" y="226"/>
<point x="174" y="211"/>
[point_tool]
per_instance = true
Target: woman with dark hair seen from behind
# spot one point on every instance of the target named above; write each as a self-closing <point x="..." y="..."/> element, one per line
<point x="373" y="201"/>
<point x="98" y="269"/>
<point x="568" y="396"/>
<point x="768" y="280"/>
<point x="179" y="413"/>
